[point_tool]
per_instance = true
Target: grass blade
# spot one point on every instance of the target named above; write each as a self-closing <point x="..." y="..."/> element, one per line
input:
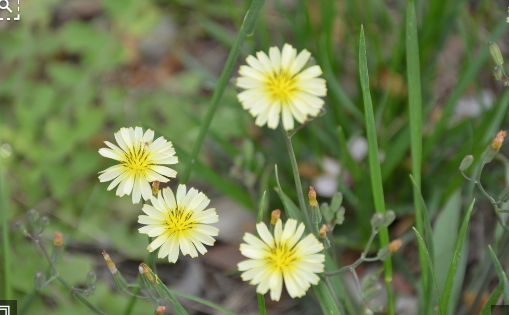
<point x="449" y="283"/>
<point x="6" y="273"/>
<point x="422" y="245"/>
<point x="501" y="275"/>
<point x="374" y="162"/>
<point x="246" y="29"/>
<point x="486" y="310"/>
<point x="202" y="301"/>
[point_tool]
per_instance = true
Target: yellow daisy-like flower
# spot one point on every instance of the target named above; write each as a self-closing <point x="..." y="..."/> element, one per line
<point x="275" y="84"/>
<point x="179" y="224"/>
<point x="141" y="161"/>
<point x="284" y="256"/>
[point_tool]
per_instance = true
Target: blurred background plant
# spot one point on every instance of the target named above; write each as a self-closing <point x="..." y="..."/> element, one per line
<point x="74" y="72"/>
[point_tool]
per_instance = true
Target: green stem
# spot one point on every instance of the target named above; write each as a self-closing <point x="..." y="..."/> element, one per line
<point x="5" y="242"/>
<point x="246" y="29"/>
<point x="298" y="184"/>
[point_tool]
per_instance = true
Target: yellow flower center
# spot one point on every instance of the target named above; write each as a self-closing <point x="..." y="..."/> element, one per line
<point x="179" y="220"/>
<point x="138" y="158"/>
<point x="281" y="256"/>
<point x="280" y="86"/>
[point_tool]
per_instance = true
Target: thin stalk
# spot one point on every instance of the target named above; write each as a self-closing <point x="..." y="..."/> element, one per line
<point x="246" y="29"/>
<point x="152" y="257"/>
<point x="298" y="184"/>
<point x="5" y="242"/>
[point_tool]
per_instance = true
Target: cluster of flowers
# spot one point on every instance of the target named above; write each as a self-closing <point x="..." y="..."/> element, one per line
<point x="274" y="86"/>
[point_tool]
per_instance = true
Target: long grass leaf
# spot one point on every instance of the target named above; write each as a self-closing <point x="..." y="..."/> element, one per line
<point x="374" y="162"/>
<point x="501" y="275"/>
<point x="449" y="283"/>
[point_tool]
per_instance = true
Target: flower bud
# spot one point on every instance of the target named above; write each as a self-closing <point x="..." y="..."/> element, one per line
<point x="369" y="281"/>
<point x="91" y="278"/>
<point x="155" y="187"/>
<point x="44" y="222"/>
<point x="387" y="251"/>
<point x="466" y="162"/>
<point x="312" y="197"/>
<point x="34" y="219"/>
<point x="151" y="281"/>
<point x="389" y="217"/>
<point x="497" y="73"/>
<point x="58" y="242"/>
<point x="323" y="231"/>
<point x="336" y="202"/>
<point x="21" y="228"/>
<point x="160" y="310"/>
<point x="120" y="282"/>
<point x="394" y="246"/>
<point x="39" y="280"/>
<point x="504" y="195"/>
<point x="495" y="53"/>
<point x="377" y="220"/>
<point x="340" y="216"/>
<point x="493" y="148"/>
<point x="275" y="216"/>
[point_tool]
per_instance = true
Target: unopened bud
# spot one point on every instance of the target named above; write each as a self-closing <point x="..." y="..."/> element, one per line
<point x="58" y="242"/>
<point x="323" y="231"/>
<point x="369" y="281"/>
<point x="497" y="73"/>
<point x="39" y="280"/>
<point x="120" y="282"/>
<point x="34" y="219"/>
<point x="466" y="162"/>
<point x="389" y="217"/>
<point x="336" y="202"/>
<point x="21" y="228"/>
<point x="394" y="246"/>
<point x="340" y="216"/>
<point x="312" y="197"/>
<point x="275" y="216"/>
<point x="495" y="53"/>
<point x="377" y="220"/>
<point x="492" y="150"/>
<point x="160" y="310"/>
<point x="91" y="278"/>
<point x="155" y="187"/>
<point x="44" y="222"/>
<point x="151" y="281"/>
<point x="504" y="195"/>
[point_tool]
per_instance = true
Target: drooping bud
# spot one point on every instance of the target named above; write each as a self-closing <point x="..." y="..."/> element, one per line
<point x="39" y="280"/>
<point x="151" y="281"/>
<point x="160" y="310"/>
<point x="466" y="162"/>
<point x="275" y="216"/>
<point x="389" y="217"/>
<point x="155" y="187"/>
<point x="495" y="53"/>
<point x="58" y="242"/>
<point x="323" y="231"/>
<point x="492" y="150"/>
<point x="377" y="220"/>
<point x="120" y="282"/>
<point x="34" y="219"/>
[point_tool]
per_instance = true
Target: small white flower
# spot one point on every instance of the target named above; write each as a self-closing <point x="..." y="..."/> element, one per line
<point x="276" y="85"/>
<point x="282" y="257"/>
<point x="141" y="161"/>
<point x="179" y="224"/>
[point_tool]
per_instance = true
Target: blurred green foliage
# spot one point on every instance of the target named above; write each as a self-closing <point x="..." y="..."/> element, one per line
<point x="74" y="72"/>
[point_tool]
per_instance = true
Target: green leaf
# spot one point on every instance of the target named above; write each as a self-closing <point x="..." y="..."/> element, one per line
<point x="374" y="161"/>
<point x="444" y="305"/>
<point x="501" y="275"/>
<point x="423" y="247"/>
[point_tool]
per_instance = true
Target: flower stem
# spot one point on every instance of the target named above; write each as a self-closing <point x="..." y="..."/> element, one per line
<point x="246" y="29"/>
<point x="298" y="184"/>
<point x="7" y="292"/>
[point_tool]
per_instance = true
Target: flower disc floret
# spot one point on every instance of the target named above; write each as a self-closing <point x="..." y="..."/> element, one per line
<point x="179" y="223"/>
<point x="141" y="162"/>
<point x="281" y="258"/>
<point x="276" y="85"/>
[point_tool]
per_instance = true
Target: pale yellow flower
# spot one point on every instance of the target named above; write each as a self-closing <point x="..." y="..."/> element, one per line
<point x="277" y="85"/>
<point x="141" y="162"/>
<point x="179" y="224"/>
<point x="284" y="257"/>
